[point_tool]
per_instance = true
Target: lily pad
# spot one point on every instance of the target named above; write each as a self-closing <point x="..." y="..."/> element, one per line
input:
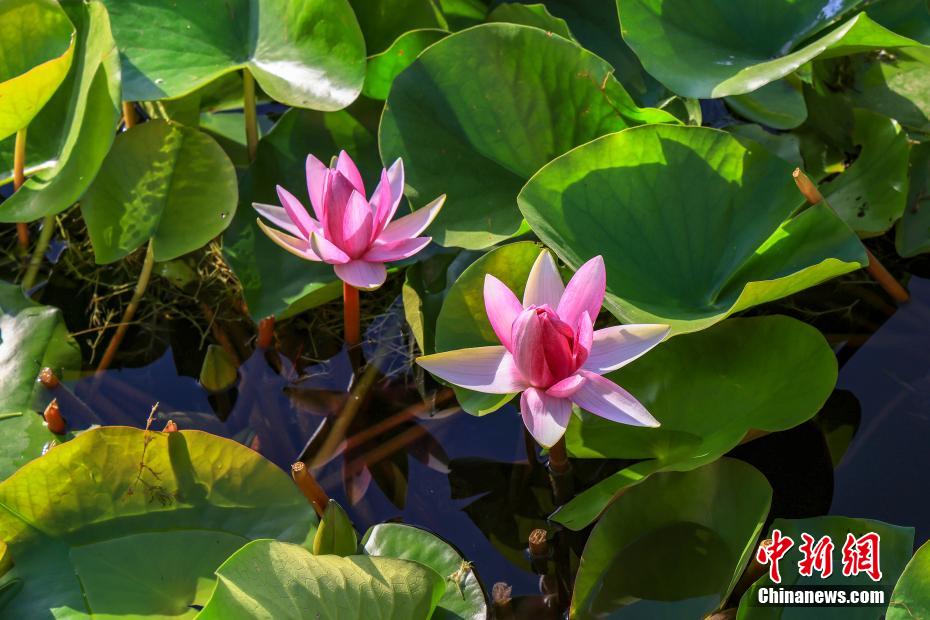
<point x="31" y="337"/>
<point x="704" y="49"/>
<point x="708" y="389"/>
<point x="912" y="236"/>
<point x="78" y="122"/>
<point x="674" y="546"/>
<point x="36" y="49"/>
<point x="693" y="224"/>
<point x="898" y="87"/>
<point x="270" y="580"/>
<point x="303" y="54"/>
<point x="779" y="104"/>
<point x="384" y="67"/>
<point x="161" y="181"/>
<point x="911" y="596"/>
<point x="536" y="15"/>
<point x="384" y="22"/>
<point x="99" y="519"/>
<point x="464" y="599"/>
<point x="462" y="134"/>
<point x="895" y="549"/>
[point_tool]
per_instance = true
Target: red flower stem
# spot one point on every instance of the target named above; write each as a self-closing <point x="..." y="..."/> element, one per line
<point x="352" y="322"/>
<point x="560" y="473"/>
<point x="19" y="177"/>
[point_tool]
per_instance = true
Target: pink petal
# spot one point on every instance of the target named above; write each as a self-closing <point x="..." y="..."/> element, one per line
<point x="317" y="180"/>
<point x="356" y="226"/>
<point x="277" y="216"/>
<point x="297" y="247"/>
<point x="381" y="205"/>
<point x="413" y="224"/>
<point x="362" y="274"/>
<point x="502" y="307"/>
<point x="347" y="168"/>
<point x="527" y="345"/>
<point x="605" y="398"/>
<point x="391" y="188"/>
<point x="615" y="347"/>
<point x="584" y="339"/>
<point x="336" y="202"/>
<point x="328" y="252"/>
<point x="584" y="292"/>
<point x="484" y="369"/>
<point x="399" y="250"/>
<point x="545" y="417"/>
<point x="544" y="285"/>
<point x="566" y="387"/>
<point x="296" y="212"/>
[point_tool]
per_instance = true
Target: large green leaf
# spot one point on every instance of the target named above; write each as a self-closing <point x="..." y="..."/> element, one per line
<point x="384" y="67"/>
<point x="383" y="22"/>
<point x="708" y="389"/>
<point x="304" y="53"/>
<point x="32" y="337"/>
<point x="693" y="224"/>
<point x="911" y="596"/>
<point x="779" y="104"/>
<point x="896" y="546"/>
<point x="706" y="48"/>
<point x="274" y="281"/>
<point x="898" y="87"/>
<point x="536" y="15"/>
<point x="464" y="599"/>
<point x="462" y="133"/>
<point x="96" y="526"/>
<point x="36" y="49"/>
<point x="80" y="120"/>
<point x="913" y="232"/>
<point x="161" y="181"/>
<point x="269" y="580"/>
<point x="674" y="546"/>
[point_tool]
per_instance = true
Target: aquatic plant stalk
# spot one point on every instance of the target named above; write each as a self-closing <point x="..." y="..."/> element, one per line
<point x="130" y="312"/>
<point x="35" y="261"/>
<point x="129" y="115"/>
<point x="19" y="177"/>
<point x="251" y="114"/>
<point x="875" y="268"/>
<point x="561" y="476"/>
<point x="351" y="317"/>
<point x="309" y="487"/>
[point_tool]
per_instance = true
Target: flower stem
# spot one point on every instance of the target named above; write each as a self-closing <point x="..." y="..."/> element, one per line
<point x="129" y="115"/>
<point x="19" y="177"/>
<point x="560" y="473"/>
<point x="251" y="117"/>
<point x="35" y="261"/>
<point x="141" y="285"/>
<point x="310" y="488"/>
<point x="350" y="306"/>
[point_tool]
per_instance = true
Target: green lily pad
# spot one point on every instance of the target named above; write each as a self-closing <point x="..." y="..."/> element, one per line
<point x="384" y="22"/>
<point x="384" y="67"/>
<point x="426" y="284"/>
<point x="36" y="49"/>
<point x="270" y="580"/>
<point x="870" y="195"/>
<point x="693" y="224"/>
<point x="32" y="337"/>
<point x="78" y="122"/>
<point x="461" y="134"/>
<point x="674" y="546"/>
<point x="303" y="54"/>
<point x="911" y="596"/>
<point x="898" y="87"/>
<point x="536" y="15"/>
<point x="701" y="48"/>
<point x="912" y="235"/>
<point x="767" y="373"/>
<point x="276" y="282"/>
<point x="161" y="181"/>
<point x="787" y="146"/>
<point x="896" y="546"/>
<point x="94" y="523"/>
<point x="779" y="104"/>
<point x="464" y="598"/>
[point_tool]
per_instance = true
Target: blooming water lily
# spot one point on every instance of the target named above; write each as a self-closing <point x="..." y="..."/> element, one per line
<point x="550" y="351"/>
<point x="350" y="232"/>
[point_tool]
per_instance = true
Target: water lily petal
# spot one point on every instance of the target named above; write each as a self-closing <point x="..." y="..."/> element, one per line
<point x="337" y="201"/>
<point x="545" y="417"/>
<point x="328" y="252"/>
<point x="584" y="292"/>
<point x="484" y="369"/>
<point x="605" y="398"/>
<point x="392" y="188"/>
<point x="356" y="226"/>
<point x="527" y="345"/>
<point x="566" y="387"/>
<point x="317" y="181"/>
<point x="362" y="274"/>
<point x="502" y="307"/>
<point x="617" y="346"/>
<point x="413" y="224"/>
<point x="399" y="250"/>
<point x="278" y="217"/>
<point x="297" y="213"/>
<point x="298" y="247"/>
<point x="349" y="170"/>
<point x="544" y="284"/>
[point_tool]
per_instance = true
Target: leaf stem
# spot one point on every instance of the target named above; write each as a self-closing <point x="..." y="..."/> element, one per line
<point x="141" y="285"/>
<point x="35" y="261"/>
<point x="129" y="115"/>
<point x="560" y="473"/>
<point x="251" y="116"/>
<point x="19" y="177"/>
<point x="310" y="488"/>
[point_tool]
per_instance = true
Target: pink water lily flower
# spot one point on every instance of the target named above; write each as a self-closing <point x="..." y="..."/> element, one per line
<point x="351" y="233"/>
<point x="550" y="351"/>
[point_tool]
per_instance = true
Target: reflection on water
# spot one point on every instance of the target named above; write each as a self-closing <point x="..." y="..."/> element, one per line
<point x="885" y="471"/>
